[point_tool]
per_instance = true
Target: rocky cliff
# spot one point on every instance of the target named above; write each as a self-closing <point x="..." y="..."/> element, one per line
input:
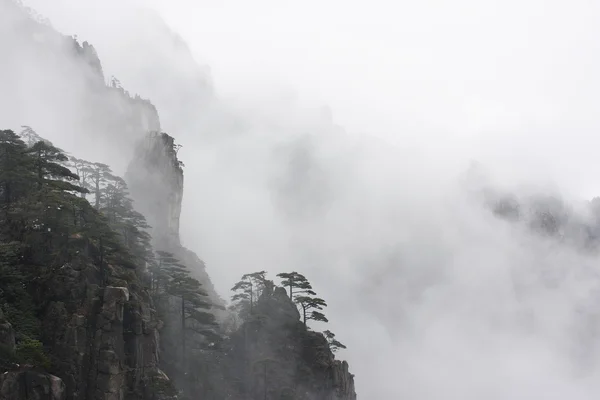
<point x="273" y="355"/>
<point x="155" y="180"/>
<point x="298" y="362"/>
<point x="99" y="331"/>
<point x="30" y="384"/>
<point x="103" y="341"/>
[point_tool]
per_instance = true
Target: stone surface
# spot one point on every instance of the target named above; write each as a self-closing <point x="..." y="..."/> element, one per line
<point x="343" y="381"/>
<point x="31" y="385"/>
<point x="273" y="352"/>
<point x="104" y="341"/>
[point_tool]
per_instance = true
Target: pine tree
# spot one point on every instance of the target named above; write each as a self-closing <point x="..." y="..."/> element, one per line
<point x="160" y="272"/>
<point x="114" y="200"/>
<point x="311" y="303"/>
<point x="83" y="169"/>
<point x="15" y="168"/>
<point x="249" y="288"/>
<point x="98" y="174"/>
<point x="137" y="238"/>
<point x="47" y="216"/>
<point x="45" y="224"/>
<point x="296" y="283"/>
<point x="334" y="344"/>
<point x="193" y="301"/>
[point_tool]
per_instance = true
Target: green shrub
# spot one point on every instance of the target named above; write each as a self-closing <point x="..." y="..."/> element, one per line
<point x="30" y="351"/>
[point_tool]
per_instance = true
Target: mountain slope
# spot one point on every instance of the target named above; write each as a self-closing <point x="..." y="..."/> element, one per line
<point x="100" y="297"/>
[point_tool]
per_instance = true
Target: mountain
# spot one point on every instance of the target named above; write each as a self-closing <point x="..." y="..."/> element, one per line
<point x="98" y="297"/>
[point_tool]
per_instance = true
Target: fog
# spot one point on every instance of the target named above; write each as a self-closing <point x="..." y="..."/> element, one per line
<point x="336" y="139"/>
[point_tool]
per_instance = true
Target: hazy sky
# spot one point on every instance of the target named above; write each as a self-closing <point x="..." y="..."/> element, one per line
<point x="512" y="80"/>
<point x="434" y="297"/>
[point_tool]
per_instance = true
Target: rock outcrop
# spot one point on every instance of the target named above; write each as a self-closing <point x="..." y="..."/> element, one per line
<point x="275" y="355"/>
<point x="31" y="385"/>
<point x="343" y="381"/>
<point x="104" y="341"/>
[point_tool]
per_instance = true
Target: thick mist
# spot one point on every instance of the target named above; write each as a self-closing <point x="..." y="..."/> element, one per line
<point x="434" y="296"/>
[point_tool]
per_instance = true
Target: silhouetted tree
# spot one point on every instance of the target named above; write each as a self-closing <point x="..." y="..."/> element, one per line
<point x="296" y="283"/>
<point x="309" y="306"/>
<point x="193" y="301"/>
<point x="15" y="168"/>
<point x="334" y="344"/>
<point x="98" y="174"/>
<point x="249" y="288"/>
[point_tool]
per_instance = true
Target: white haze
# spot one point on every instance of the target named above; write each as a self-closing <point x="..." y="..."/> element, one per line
<point x="434" y="297"/>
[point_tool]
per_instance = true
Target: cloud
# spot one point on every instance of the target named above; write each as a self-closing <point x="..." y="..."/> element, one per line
<point x="434" y="295"/>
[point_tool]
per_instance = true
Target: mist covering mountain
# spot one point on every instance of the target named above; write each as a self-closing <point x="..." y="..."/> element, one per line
<point x="442" y="281"/>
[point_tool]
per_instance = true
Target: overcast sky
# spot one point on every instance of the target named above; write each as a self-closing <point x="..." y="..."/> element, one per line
<point x="508" y="80"/>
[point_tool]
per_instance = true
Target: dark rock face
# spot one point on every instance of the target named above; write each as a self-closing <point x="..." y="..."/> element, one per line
<point x="274" y="355"/>
<point x="31" y="385"/>
<point x="104" y="341"/>
<point x="343" y="381"/>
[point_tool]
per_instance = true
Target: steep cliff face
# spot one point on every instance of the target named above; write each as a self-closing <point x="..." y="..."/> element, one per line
<point x="155" y="180"/>
<point x="103" y="340"/>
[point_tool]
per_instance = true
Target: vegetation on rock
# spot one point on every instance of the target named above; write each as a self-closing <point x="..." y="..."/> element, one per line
<point x="61" y="216"/>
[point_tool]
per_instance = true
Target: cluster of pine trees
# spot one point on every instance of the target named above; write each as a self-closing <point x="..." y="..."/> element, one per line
<point x="252" y="285"/>
<point x="57" y="209"/>
<point x="45" y="222"/>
